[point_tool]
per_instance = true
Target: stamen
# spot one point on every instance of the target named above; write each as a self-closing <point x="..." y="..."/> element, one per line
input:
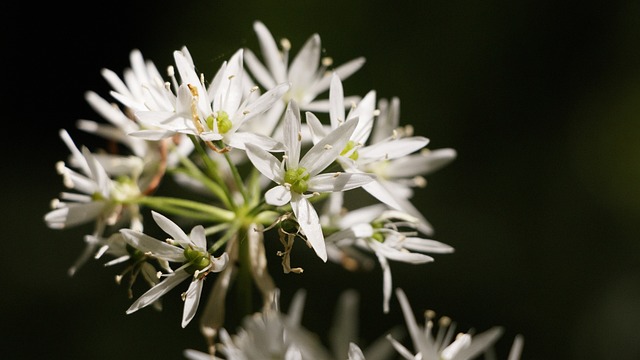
<point x="376" y="112"/>
<point x="327" y="61"/>
<point x="420" y="181"/>
<point x="285" y="44"/>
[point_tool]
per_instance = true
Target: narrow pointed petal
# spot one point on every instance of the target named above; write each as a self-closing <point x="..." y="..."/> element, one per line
<point x="265" y="162"/>
<point x="427" y="245"/>
<point x="292" y="136"/>
<point x="310" y="224"/>
<point x="157" y="291"/>
<point x="401" y="256"/>
<point x="336" y="100"/>
<point x="270" y="52"/>
<point x="158" y="248"/>
<point x="191" y="301"/>
<point x="171" y="228"/>
<point x="259" y="72"/>
<point x="327" y="150"/>
<point x="339" y="181"/>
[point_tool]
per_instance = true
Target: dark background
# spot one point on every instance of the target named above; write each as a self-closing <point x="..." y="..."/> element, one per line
<point x="541" y="99"/>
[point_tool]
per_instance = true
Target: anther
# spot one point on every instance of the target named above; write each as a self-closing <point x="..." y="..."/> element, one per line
<point x="254" y="88"/>
<point x="429" y="314"/>
<point x="231" y="77"/>
<point x="420" y="181"/>
<point x="171" y="71"/>
<point x="376" y="112"/>
<point x="328" y="147"/>
<point x="327" y="61"/>
<point x="285" y="44"/>
<point x="337" y="174"/>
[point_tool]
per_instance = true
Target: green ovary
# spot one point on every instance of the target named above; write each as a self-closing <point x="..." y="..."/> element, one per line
<point x="222" y="121"/>
<point x="198" y="260"/>
<point x="297" y="178"/>
<point x="350" y="145"/>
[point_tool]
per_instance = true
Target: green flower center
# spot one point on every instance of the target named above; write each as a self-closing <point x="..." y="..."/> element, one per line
<point x="297" y="178"/>
<point x="377" y="234"/>
<point x="350" y="145"/>
<point x="197" y="260"/>
<point x="222" y="121"/>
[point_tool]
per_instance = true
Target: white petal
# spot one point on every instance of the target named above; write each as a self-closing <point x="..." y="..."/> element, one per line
<point x="153" y="294"/>
<point x="426" y="245"/>
<point x="191" y="301"/>
<point x="74" y="214"/>
<point x="198" y="237"/>
<point x="153" y="135"/>
<point x="291" y="134"/>
<point x="355" y="353"/>
<point x="338" y="181"/>
<point x="158" y="248"/>
<point x="171" y="228"/>
<point x="303" y="68"/>
<point x="266" y="163"/>
<point x="270" y="52"/>
<point x="277" y="195"/>
<point x="310" y="223"/>
<point x="397" y="255"/>
<point x="480" y="343"/>
<point x="336" y="100"/>
<point x="327" y="150"/>
<point x="239" y="140"/>
<point x="259" y="72"/>
<point x="392" y="149"/>
<point x="317" y="130"/>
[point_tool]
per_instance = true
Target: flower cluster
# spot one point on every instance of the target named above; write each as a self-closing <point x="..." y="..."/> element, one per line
<point x="251" y="151"/>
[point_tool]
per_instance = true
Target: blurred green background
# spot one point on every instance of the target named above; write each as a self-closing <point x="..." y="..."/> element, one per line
<point x="541" y="99"/>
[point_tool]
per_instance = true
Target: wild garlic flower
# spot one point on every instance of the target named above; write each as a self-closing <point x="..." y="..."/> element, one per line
<point x="214" y="113"/>
<point x="301" y="179"/>
<point x="443" y="345"/>
<point x="389" y="234"/>
<point x="272" y="334"/>
<point x="97" y="197"/>
<point x="188" y="250"/>
<point x="307" y="72"/>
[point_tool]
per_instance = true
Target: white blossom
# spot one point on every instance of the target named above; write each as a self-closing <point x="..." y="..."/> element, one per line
<point x="189" y="250"/>
<point x="299" y="179"/>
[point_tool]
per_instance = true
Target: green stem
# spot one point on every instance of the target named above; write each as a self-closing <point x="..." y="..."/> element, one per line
<point x="237" y="178"/>
<point x="188" y="208"/>
<point x="244" y="282"/>
<point x="193" y="171"/>
<point x="213" y="172"/>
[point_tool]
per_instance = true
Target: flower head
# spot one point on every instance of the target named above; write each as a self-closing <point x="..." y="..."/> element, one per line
<point x="188" y="250"/>
<point x="299" y="179"/>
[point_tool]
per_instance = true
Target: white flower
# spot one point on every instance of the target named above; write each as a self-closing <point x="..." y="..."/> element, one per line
<point x="97" y="199"/>
<point x="273" y="335"/>
<point x="298" y="179"/>
<point x="214" y="113"/>
<point x="387" y="153"/>
<point x="441" y="347"/>
<point x="306" y="72"/>
<point x="189" y="250"/>
<point x="377" y="229"/>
